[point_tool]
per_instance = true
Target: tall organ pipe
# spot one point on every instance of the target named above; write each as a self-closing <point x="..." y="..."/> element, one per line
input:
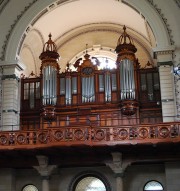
<point x="88" y="92"/>
<point x="107" y="87"/>
<point x="49" y="86"/>
<point x="127" y="79"/>
<point x="68" y="91"/>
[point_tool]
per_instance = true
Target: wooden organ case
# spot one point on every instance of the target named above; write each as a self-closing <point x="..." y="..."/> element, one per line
<point x="127" y="95"/>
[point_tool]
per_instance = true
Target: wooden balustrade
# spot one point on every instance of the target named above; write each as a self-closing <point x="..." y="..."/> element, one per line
<point x="91" y="136"/>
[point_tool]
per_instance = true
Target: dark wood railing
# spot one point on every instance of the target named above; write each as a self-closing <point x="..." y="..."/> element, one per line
<point x="90" y="136"/>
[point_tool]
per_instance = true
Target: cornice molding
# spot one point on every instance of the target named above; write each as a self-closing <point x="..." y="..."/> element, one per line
<point x="164" y="50"/>
<point x="165" y="21"/>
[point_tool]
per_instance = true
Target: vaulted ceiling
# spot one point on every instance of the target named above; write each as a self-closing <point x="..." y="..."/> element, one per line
<point x="73" y="24"/>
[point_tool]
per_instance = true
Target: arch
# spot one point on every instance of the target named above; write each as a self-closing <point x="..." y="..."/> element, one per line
<point x="84" y="174"/>
<point x="114" y="30"/>
<point x="143" y="7"/>
<point x="153" y="185"/>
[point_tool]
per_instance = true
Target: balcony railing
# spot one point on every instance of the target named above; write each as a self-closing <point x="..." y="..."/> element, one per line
<point x="91" y="136"/>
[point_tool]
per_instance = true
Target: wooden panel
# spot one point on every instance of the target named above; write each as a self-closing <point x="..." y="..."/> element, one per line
<point x="114" y="96"/>
<point x="74" y="100"/>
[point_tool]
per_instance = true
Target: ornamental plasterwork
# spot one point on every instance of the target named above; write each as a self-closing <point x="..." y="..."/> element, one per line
<point x="3" y="4"/>
<point x="164" y="20"/>
<point x="12" y="27"/>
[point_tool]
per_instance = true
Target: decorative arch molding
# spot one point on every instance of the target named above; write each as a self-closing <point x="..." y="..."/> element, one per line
<point x="84" y="174"/>
<point x="23" y="21"/>
<point x="154" y="17"/>
<point x="3" y="4"/>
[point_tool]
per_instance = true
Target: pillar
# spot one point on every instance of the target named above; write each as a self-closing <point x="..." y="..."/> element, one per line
<point x="164" y="61"/>
<point x="118" y="166"/>
<point x="45" y="171"/>
<point x="10" y="83"/>
<point x="172" y="174"/>
<point x="119" y="182"/>
<point x="45" y="183"/>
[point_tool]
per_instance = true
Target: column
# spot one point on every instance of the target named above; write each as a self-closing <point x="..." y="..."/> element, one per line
<point x="10" y="95"/>
<point x="172" y="174"/>
<point x="118" y="166"/>
<point x="164" y="61"/>
<point x="45" y="171"/>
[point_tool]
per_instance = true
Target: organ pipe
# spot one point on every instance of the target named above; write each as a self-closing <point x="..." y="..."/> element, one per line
<point x="49" y="86"/>
<point x="107" y="86"/>
<point x="127" y="79"/>
<point x="88" y="89"/>
<point x="68" y="94"/>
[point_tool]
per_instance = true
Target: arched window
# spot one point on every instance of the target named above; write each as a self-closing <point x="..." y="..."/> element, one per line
<point x="29" y="187"/>
<point x="90" y="183"/>
<point x="153" y="186"/>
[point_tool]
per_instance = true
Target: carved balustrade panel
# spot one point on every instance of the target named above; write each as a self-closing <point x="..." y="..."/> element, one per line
<point x="92" y="136"/>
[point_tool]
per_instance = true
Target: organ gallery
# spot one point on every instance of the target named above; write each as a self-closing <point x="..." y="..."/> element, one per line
<point x="91" y="97"/>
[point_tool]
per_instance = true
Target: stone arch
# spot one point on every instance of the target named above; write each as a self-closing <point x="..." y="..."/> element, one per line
<point x="143" y="7"/>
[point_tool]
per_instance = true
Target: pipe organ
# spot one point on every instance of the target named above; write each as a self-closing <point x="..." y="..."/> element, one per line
<point x="126" y="95"/>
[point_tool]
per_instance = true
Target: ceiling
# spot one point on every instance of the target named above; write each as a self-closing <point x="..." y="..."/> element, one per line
<point x="68" y="16"/>
<point x="73" y="24"/>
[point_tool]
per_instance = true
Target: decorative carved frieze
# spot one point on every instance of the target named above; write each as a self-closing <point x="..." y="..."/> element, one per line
<point x="92" y="136"/>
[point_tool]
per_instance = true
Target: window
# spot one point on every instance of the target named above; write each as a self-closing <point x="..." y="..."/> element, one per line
<point x="153" y="186"/>
<point x="30" y="187"/>
<point x="90" y="183"/>
<point x="106" y="62"/>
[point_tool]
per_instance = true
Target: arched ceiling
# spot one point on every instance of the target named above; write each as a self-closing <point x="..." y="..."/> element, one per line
<point x="73" y="24"/>
<point x="70" y="15"/>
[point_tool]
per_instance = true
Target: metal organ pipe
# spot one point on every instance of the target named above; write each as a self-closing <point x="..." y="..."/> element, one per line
<point x="88" y="89"/>
<point x="107" y="87"/>
<point x="68" y="90"/>
<point x="127" y="79"/>
<point x="49" y="85"/>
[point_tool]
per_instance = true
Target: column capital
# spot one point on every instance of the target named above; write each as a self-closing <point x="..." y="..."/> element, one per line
<point x="118" y="165"/>
<point x="10" y="68"/>
<point x="164" y="50"/>
<point x="44" y="169"/>
<point x="164" y="54"/>
<point x="15" y="63"/>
